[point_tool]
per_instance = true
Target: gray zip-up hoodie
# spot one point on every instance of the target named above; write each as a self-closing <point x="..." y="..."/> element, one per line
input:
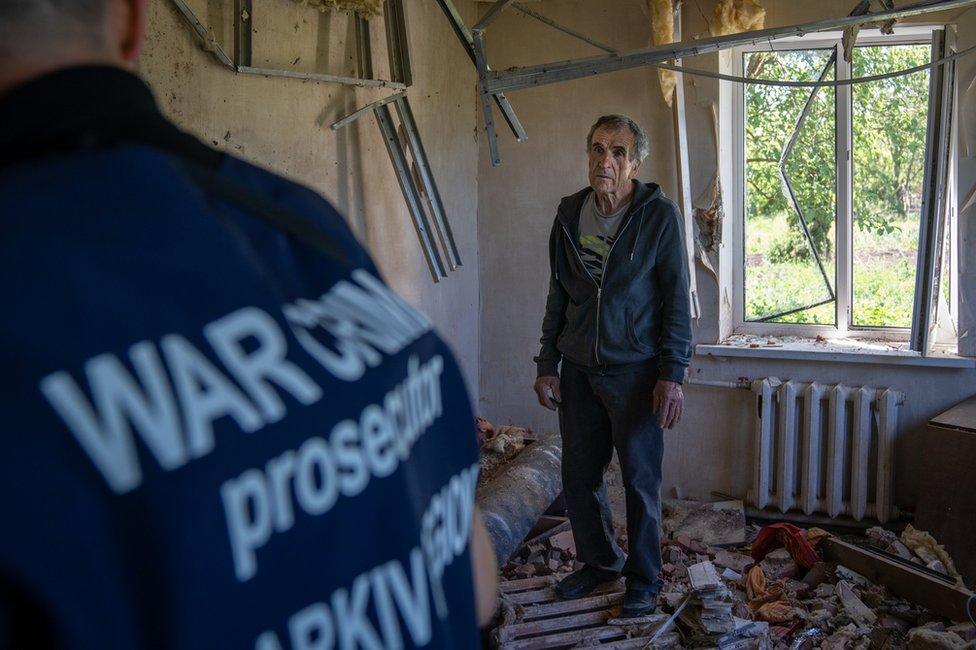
<point x="641" y="313"/>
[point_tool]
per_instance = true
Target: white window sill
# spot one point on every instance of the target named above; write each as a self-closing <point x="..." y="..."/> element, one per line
<point x="837" y="350"/>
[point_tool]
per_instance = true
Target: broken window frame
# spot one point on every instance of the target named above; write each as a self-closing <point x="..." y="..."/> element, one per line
<point x="843" y="278"/>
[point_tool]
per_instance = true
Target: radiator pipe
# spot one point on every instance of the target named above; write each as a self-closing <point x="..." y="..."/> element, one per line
<point x="741" y="382"/>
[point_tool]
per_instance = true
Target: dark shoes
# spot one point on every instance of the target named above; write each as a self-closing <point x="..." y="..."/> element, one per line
<point x="640" y="599"/>
<point x="583" y="581"/>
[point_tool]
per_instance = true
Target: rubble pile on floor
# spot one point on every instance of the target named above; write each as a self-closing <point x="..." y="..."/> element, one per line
<point x="775" y="590"/>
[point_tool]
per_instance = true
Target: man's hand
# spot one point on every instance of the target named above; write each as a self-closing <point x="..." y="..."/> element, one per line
<point x="669" y="403"/>
<point x="552" y="383"/>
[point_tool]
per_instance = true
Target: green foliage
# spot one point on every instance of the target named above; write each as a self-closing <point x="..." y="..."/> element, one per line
<point x="889" y="120"/>
<point x="884" y="277"/>
<point x="772" y="114"/>
<point x="888" y="136"/>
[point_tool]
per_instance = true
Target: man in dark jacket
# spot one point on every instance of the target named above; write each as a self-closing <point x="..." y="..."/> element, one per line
<point x="221" y="429"/>
<point x="618" y="318"/>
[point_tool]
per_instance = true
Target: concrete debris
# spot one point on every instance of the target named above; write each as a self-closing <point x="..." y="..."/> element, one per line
<point x="726" y="600"/>
<point x="563" y="543"/>
<point x="780" y="564"/>
<point x="965" y="631"/>
<point x="888" y="541"/>
<point x="927" y="639"/>
<point x="731" y="576"/>
<point x="737" y="562"/>
<point x="841" y="639"/>
<point x="817" y="574"/>
<point x="721" y="522"/>
<point x="734" y="16"/>
<point x="703" y="576"/>
<point x="713" y="601"/>
<point x="855" y="608"/>
<point x="852" y="577"/>
<point x="933" y="555"/>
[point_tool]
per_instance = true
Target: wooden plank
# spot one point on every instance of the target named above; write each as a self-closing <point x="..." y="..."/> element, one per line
<point x="548" y="594"/>
<point x="521" y="630"/>
<point x="563" y="639"/>
<point x="903" y="580"/>
<point x="630" y="644"/>
<point x="511" y="586"/>
<point x="533" y="596"/>
<point x="534" y="612"/>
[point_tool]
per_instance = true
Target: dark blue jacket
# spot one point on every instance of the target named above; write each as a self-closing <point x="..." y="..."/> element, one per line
<point x="640" y="313"/>
<point x="220" y="428"/>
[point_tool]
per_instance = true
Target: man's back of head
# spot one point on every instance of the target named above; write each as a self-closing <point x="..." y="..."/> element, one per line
<point x="42" y="36"/>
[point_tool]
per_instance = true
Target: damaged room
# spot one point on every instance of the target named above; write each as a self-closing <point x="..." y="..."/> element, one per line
<point x="618" y="324"/>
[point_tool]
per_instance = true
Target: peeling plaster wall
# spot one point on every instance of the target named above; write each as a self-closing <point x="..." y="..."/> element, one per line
<point x="282" y="124"/>
<point x="711" y="449"/>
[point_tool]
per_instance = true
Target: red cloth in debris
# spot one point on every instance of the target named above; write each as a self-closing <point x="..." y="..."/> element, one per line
<point x="794" y="539"/>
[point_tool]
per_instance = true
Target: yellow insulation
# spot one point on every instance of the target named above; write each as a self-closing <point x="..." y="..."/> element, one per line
<point x="662" y="32"/>
<point x="734" y="16"/>
<point x="929" y="550"/>
<point x="361" y="7"/>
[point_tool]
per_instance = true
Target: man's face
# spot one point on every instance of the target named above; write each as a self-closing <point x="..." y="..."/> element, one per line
<point x="611" y="166"/>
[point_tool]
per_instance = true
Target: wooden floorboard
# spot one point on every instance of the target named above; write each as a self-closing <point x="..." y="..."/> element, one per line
<point x="565" y="607"/>
<point x="546" y="621"/>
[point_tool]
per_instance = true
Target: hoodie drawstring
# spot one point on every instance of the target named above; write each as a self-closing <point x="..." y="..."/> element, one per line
<point x="639" y="224"/>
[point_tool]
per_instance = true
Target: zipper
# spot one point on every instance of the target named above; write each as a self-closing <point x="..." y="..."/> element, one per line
<point x="599" y="289"/>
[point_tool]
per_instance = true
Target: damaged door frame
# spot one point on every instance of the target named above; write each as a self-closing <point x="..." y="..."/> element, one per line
<point x="396" y="34"/>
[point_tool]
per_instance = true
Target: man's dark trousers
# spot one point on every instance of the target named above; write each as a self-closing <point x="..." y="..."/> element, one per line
<point x="601" y="411"/>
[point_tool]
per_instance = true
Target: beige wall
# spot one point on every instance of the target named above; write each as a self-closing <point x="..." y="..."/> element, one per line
<point x="282" y="124"/>
<point x="711" y="450"/>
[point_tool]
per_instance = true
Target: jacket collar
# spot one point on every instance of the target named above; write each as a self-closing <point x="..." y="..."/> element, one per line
<point x="571" y="206"/>
<point x="88" y="108"/>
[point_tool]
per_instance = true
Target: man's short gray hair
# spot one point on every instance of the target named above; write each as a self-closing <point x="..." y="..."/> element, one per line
<point x="641" y="148"/>
<point x="47" y="23"/>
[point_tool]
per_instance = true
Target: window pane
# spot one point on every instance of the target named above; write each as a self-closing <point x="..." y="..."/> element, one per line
<point x="889" y="120"/>
<point x="790" y="180"/>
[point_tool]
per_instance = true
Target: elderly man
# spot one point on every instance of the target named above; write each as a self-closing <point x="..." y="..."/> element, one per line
<point x="617" y="316"/>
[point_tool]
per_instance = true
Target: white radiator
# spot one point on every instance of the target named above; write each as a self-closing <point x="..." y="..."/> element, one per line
<point x="823" y="448"/>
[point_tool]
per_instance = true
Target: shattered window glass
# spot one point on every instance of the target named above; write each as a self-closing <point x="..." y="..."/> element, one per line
<point x="790" y="193"/>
